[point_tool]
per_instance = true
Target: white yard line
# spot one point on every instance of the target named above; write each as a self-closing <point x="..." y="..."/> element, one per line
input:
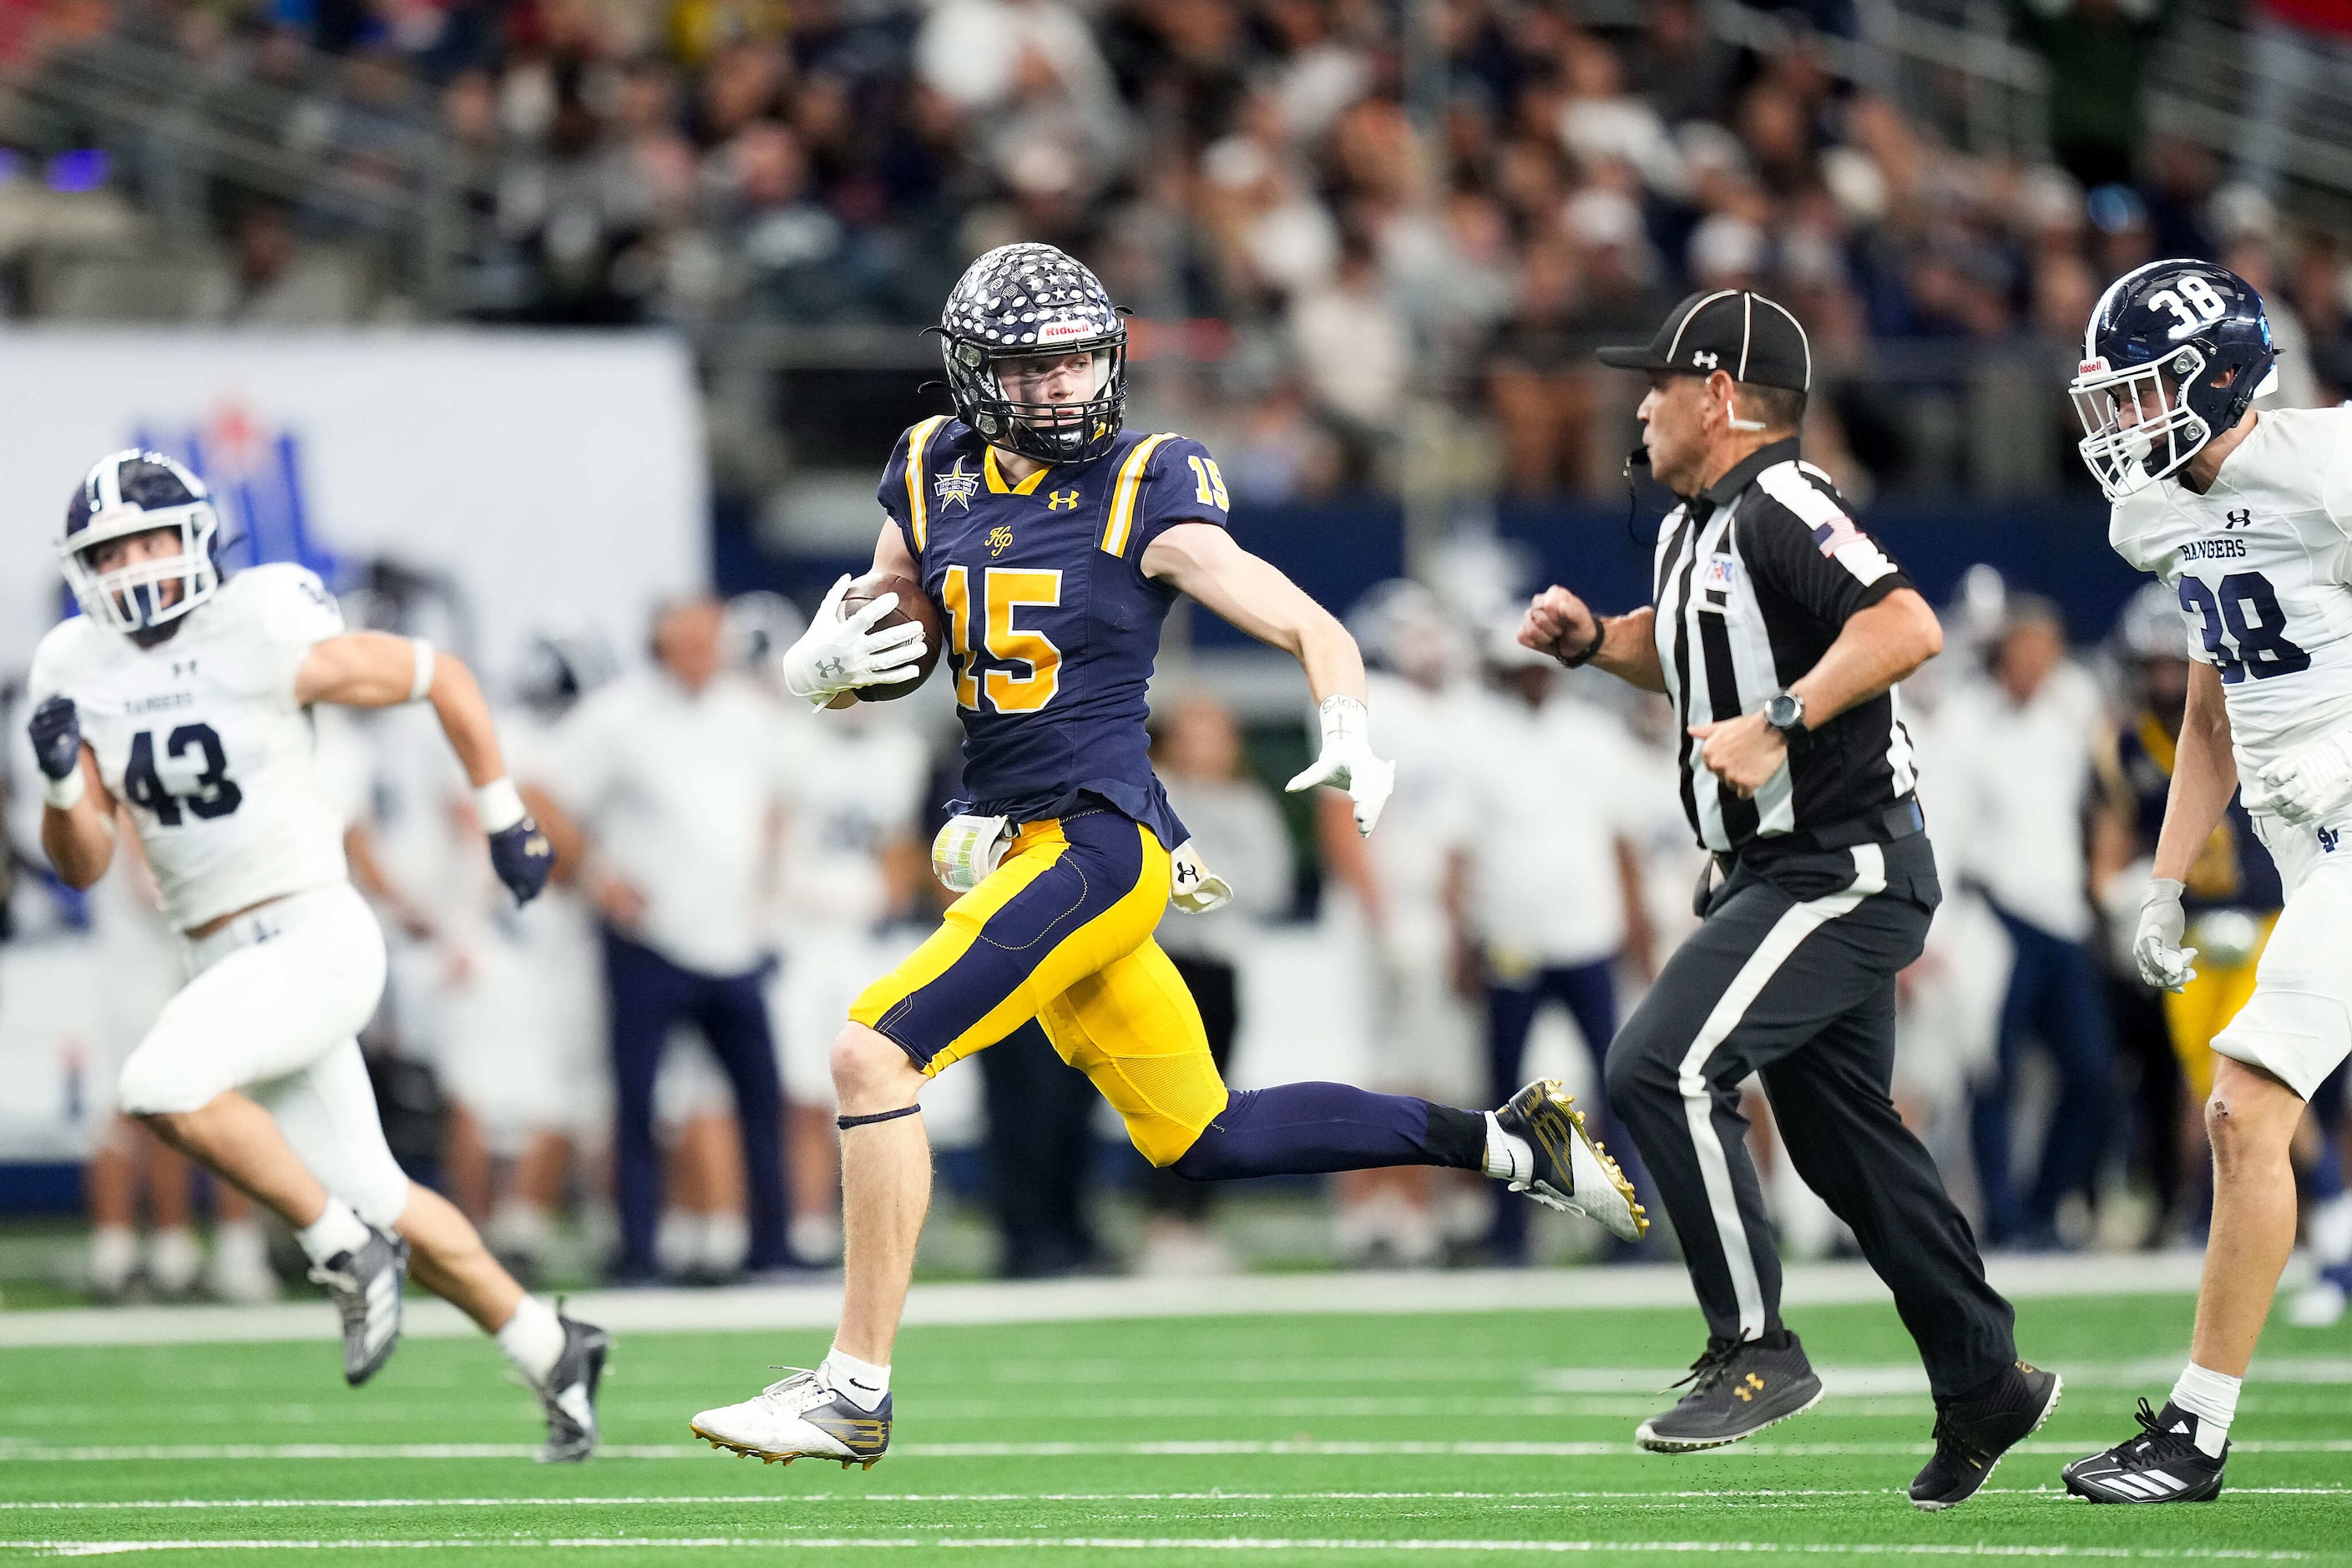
<point x="1214" y="1544"/>
<point x="1769" y="1495"/>
<point x="818" y="1305"/>
<point x="1172" y="1448"/>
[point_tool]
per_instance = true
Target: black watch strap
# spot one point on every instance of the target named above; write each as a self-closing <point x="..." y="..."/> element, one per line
<point x="1590" y="650"/>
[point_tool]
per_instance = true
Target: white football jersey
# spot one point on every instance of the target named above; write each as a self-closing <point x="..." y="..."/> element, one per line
<point x="201" y="737"/>
<point x="2263" y="565"/>
<point x="858" y="782"/>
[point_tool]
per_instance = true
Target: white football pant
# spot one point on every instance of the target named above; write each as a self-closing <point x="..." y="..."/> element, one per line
<point x="2298" y="1024"/>
<point x="277" y="998"/>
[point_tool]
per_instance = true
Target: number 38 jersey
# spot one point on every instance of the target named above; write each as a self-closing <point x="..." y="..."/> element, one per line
<point x="201" y="737"/>
<point x="1052" y="625"/>
<point x="2263" y="565"/>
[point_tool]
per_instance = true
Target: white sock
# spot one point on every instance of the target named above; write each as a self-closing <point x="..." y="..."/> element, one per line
<point x="861" y="1382"/>
<point x="677" y="1242"/>
<point x="532" y="1338"/>
<point x="726" y="1240"/>
<point x="2330" y="1232"/>
<point x="113" y="1254"/>
<point x="1508" y="1157"/>
<point x="2212" y="1398"/>
<point x="336" y="1230"/>
<point x="173" y="1261"/>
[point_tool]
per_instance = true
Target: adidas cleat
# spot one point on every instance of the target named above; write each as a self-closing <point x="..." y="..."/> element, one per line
<point x="1573" y="1173"/>
<point x="366" y="1285"/>
<point x="1971" y="1434"/>
<point x="1736" y="1389"/>
<point x="802" y="1417"/>
<point x="569" y="1394"/>
<point x="2163" y="1463"/>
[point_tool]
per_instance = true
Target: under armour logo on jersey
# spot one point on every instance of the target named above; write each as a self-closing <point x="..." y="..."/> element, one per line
<point x="1061" y="501"/>
<point x="1705" y="359"/>
<point x="956" y="488"/>
<point x="1000" y="540"/>
<point x="2240" y="517"/>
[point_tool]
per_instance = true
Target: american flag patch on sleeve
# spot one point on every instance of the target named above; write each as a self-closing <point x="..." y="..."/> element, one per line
<point x="1834" y="533"/>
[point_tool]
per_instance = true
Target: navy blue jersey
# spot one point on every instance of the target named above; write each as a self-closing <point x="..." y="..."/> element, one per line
<point x="2233" y="872"/>
<point x="1052" y="625"/>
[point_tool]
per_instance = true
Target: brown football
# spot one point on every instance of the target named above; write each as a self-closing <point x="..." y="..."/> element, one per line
<point x="913" y="604"/>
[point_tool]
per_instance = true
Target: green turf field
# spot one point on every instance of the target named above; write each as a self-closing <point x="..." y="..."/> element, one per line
<point x="1359" y="1440"/>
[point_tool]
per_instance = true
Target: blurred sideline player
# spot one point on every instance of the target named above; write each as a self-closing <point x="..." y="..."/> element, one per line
<point x="851" y="863"/>
<point x="2248" y="518"/>
<point x="522" y="1015"/>
<point x="1054" y="545"/>
<point x="1405" y="890"/>
<point x="184" y="694"/>
<point x="2230" y="896"/>
<point x="1197" y="752"/>
<point x="1554" y="893"/>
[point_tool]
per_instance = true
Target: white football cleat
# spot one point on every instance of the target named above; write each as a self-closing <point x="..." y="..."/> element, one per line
<point x="802" y="1417"/>
<point x="1573" y="1173"/>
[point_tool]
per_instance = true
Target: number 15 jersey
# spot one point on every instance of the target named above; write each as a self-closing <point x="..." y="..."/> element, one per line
<point x="2263" y="565"/>
<point x="200" y="736"/>
<point x="1052" y="625"/>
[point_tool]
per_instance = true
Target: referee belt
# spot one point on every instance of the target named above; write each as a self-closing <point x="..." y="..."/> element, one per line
<point x="1885" y="825"/>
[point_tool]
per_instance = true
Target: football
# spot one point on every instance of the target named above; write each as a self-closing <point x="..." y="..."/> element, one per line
<point x="913" y="604"/>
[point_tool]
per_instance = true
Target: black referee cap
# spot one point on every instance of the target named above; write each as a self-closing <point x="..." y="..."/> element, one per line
<point x="1736" y="330"/>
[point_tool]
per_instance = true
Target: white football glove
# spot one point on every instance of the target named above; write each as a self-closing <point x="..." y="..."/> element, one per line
<point x="839" y="653"/>
<point x="1348" y="762"/>
<point x="2155" y="947"/>
<point x="2311" y="783"/>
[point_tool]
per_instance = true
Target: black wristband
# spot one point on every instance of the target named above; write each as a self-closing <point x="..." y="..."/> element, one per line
<point x="1590" y="650"/>
<point x="846" y="1122"/>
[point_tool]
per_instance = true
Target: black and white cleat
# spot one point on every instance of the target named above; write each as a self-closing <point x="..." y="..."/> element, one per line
<point x="2163" y="1463"/>
<point x="365" y="1284"/>
<point x="800" y="1417"/>
<point x="1573" y="1173"/>
<point x="569" y="1394"/>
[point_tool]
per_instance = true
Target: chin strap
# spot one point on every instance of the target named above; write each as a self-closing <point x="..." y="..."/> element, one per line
<point x="846" y="1122"/>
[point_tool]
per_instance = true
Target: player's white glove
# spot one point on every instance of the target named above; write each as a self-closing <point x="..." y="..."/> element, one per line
<point x="2163" y="961"/>
<point x="1348" y="762"/>
<point x="2311" y="783"/>
<point x="837" y="654"/>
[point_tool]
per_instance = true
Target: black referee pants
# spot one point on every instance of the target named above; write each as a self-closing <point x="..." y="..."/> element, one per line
<point x="1792" y="976"/>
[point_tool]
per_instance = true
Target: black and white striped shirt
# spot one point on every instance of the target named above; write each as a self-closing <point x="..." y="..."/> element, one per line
<point x="1755" y="579"/>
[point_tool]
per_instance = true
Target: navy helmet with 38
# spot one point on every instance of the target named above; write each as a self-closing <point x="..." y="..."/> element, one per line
<point x="2175" y="352"/>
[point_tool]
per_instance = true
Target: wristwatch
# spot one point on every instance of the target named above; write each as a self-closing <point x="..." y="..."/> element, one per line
<point x="1786" y="713"/>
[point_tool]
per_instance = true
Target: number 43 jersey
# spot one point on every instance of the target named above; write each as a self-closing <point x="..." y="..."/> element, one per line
<point x="2263" y="565"/>
<point x="201" y="737"/>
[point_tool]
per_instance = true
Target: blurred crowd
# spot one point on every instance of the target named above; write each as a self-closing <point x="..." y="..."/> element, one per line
<point x="1249" y="175"/>
<point x="629" y="1077"/>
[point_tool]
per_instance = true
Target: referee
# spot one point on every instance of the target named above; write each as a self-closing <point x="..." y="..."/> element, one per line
<point x="1778" y="630"/>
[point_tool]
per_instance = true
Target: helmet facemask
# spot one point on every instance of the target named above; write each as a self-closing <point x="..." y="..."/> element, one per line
<point x="2137" y="425"/>
<point x="138" y="596"/>
<point x="1069" y="432"/>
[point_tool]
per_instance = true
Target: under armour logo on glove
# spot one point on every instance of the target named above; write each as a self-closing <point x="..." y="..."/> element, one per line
<point x="522" y="858"/>
<point x="56" y="732"/>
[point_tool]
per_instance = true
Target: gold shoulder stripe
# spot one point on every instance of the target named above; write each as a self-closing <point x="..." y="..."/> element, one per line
<point x="1122" y="502"/>
<point x="918" y="439"/>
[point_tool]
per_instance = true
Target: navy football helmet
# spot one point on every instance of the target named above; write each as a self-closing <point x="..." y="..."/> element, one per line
<point x="2175" y="352"/>
<point x="131" y="492"/>
<point x="1031" y="301"/>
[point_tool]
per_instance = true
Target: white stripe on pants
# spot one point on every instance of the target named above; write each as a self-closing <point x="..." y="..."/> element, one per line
<point x="1698" y="1096"/>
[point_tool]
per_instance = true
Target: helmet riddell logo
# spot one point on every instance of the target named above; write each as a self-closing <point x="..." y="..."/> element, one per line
<point x="1062" y="331"/>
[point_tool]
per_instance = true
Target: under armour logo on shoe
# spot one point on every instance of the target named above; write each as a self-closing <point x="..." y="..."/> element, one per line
<point x="1749" y="1387"/>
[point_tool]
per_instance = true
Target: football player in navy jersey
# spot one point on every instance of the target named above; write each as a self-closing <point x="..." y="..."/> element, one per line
<point x="1053" y="542"/>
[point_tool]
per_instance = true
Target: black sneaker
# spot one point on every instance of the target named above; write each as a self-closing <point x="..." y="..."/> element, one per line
<point x="1972" y="1434"/>
<point x="569" y="1394"/>
<point x="1736" y="1389"/>
<point x="2163" y="1463"/>
<point x="366" y="1286"/>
